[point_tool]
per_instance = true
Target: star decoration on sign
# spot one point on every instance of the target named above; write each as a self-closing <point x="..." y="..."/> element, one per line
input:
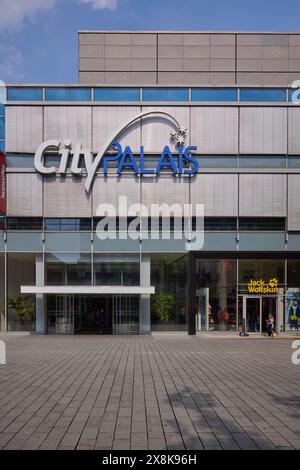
<point x="179" y="136"/>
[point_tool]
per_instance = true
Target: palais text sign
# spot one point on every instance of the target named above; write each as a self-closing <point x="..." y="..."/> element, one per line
<point x="72" y="154"/>
<point x="260" y="286"/>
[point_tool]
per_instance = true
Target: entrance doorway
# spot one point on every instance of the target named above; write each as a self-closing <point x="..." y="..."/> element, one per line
<point x="256" y="310"/>
<point x="93" y="315"/>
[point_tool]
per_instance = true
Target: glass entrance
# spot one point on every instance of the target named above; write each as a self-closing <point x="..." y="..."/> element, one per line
<point x="60" y="314"/>
<point x="256" y="310"/>
<point x="93" y="314"/>
<point x="253" y="314"/>
<point x="126" y="315"/>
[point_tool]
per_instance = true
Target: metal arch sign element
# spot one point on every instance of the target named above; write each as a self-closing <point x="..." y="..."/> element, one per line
<point x="92" y="165"/>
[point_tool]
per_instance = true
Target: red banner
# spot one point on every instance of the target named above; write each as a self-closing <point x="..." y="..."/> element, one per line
<point x="2" y="183"/>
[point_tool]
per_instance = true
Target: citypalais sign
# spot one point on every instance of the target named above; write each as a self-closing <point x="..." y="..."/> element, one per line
<point x="125" y="158"/>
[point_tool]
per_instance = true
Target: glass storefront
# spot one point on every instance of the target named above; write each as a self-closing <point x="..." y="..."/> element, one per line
<point x="21" y="308"/>
<point x="2" y="291"/>
<point x="169" y="276"/>
<point x="216" y="294"/>
<point x="292" y="298"/>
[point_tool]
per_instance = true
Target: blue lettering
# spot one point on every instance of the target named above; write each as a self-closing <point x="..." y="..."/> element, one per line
<point x="164" y="163"/>
<point x="188" y="157"/>
<point x="127" y="164"/>
<point x="142" y="168"/>
<point x="113" y="158"/>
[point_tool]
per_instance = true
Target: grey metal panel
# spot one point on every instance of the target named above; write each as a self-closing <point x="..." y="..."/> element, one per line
<point x="2" y="244"/>
<point x="166" y="246"/>
<point x="293" y="202"/>
<point x="107" y="190"/>
<point x="293" y="243"/>
<point x="165" y="189"/>
<point x="68" y="122"/>
<point x="218" y="193"/>
<point x="156" y="129"/>
<point x="67" y="241"/>
<point x="24" y="241"/>
<point x="91" y="38"/>
<point x="263" y="129"/>
<point x="215" y="130"/>
<point x="106" y="121"/>
<point x="262" y="241"/>
<point x="294" y="126"/>
<point x="66" y="197"/>
<point x="23" y="128"/>
<point x="91" y="77"/>
<point x="214" y="241"/>
<point x="116" y="246"/>
<point x="262" y="195"/>
<point x="24" y="195"/>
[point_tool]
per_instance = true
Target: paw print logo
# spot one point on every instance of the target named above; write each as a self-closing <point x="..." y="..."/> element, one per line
<point x="273" y="283"/>
<point x="179" y="136"/>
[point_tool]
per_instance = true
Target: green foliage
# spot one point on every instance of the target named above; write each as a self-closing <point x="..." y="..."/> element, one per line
<point x="163" y="306"/>
<point x="23" y="306"/>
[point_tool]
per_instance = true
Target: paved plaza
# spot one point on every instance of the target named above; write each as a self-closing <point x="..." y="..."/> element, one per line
<point x="168" y="391"/>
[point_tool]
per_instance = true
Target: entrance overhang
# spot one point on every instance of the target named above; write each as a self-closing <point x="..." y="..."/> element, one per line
<point x="98" y="290"/>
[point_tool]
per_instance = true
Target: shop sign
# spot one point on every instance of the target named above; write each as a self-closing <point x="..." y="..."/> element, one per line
<point x="178" y="161"/>
<point x="2" y="183"/>
<point x="259" y="286"/>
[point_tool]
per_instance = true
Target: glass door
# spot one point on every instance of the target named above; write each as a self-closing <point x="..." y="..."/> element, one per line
<point x="126" y="315"/>
<point x="60" y="314"/>
<point x="252" y="314"/>
<point x="269" y="307"/>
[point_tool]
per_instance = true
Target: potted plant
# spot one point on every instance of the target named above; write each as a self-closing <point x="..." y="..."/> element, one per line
<point x="24" y="308"/>
<point x="163" y="306"/>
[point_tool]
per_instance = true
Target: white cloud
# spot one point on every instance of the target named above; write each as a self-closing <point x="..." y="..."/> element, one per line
<point x="101" y="4"/>
<point x="14" y="12"/>
<point x="11" y="64"/>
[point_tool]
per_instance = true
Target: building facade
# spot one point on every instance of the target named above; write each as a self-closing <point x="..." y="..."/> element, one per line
<point x="175" y="118"/>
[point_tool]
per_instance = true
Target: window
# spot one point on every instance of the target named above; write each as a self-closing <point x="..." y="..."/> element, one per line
<point x="2" y="127"/>
<point x="83" y="224"/>
<point x="214" y="94"/>
<point x="2" y="146"/>
<point x="19" y="160"/>
<point x="265" y="161"/>
<point x="290" y="93"/>
<point x="219" y="224"/>
<point x="262" y="94"/>
<point x="116" y="94"/>
<point x="2" y="109"/>
<point x="24" y="223"/>
<point x="294" y="161"/>
<point x="165" y="94"/>
<point x="268" y="224"/>
<point x="68" y="94"/>
<point x="217" y="161"/>
<point x="24" y="94"/>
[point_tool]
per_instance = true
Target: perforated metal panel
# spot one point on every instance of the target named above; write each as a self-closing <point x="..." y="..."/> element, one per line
<point x="217" y="192"/>
<point x="68" y="122"/>
<point x="108" y="119"/>
<point x="24" y="195"/>
<point x="262" y="195"/>
<point x="215" y="130"/>
<point x="263" y="130"/>
<point x="156" y="129"/>
<point x="108" y="190"/>
<point x="66" y="197"/>
<point x="165" y="189"/>
<point x="294" y="202"/>
<point x="294" y="134"/>
<point x="23" y="129"/>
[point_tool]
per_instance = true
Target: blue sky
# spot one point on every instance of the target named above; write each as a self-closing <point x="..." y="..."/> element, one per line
<point x="38" y="38"/>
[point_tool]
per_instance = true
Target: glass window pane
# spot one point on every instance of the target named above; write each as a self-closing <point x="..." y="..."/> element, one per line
<point x="2" y="127"/>
<point x="260" y="269"/>
<point x="116" y="94"/>
<point x="217" y="161"/>
<point x="266" y="161"/>
<point x="214" y="94"/>
<point x="294" y="161"/>
<point x="2" y="109"/>
<point x="68" y="94"/>
<point x="262" y="94"/>
<point x="2" y="145"/>
<point x="262" y="223"/>
<point x="24" y="94"/>
<point x="165" y="94"/>
<point x="290" y="93"/>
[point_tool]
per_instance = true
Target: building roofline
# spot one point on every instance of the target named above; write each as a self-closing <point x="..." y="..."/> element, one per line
<point x="178" y="31"/>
